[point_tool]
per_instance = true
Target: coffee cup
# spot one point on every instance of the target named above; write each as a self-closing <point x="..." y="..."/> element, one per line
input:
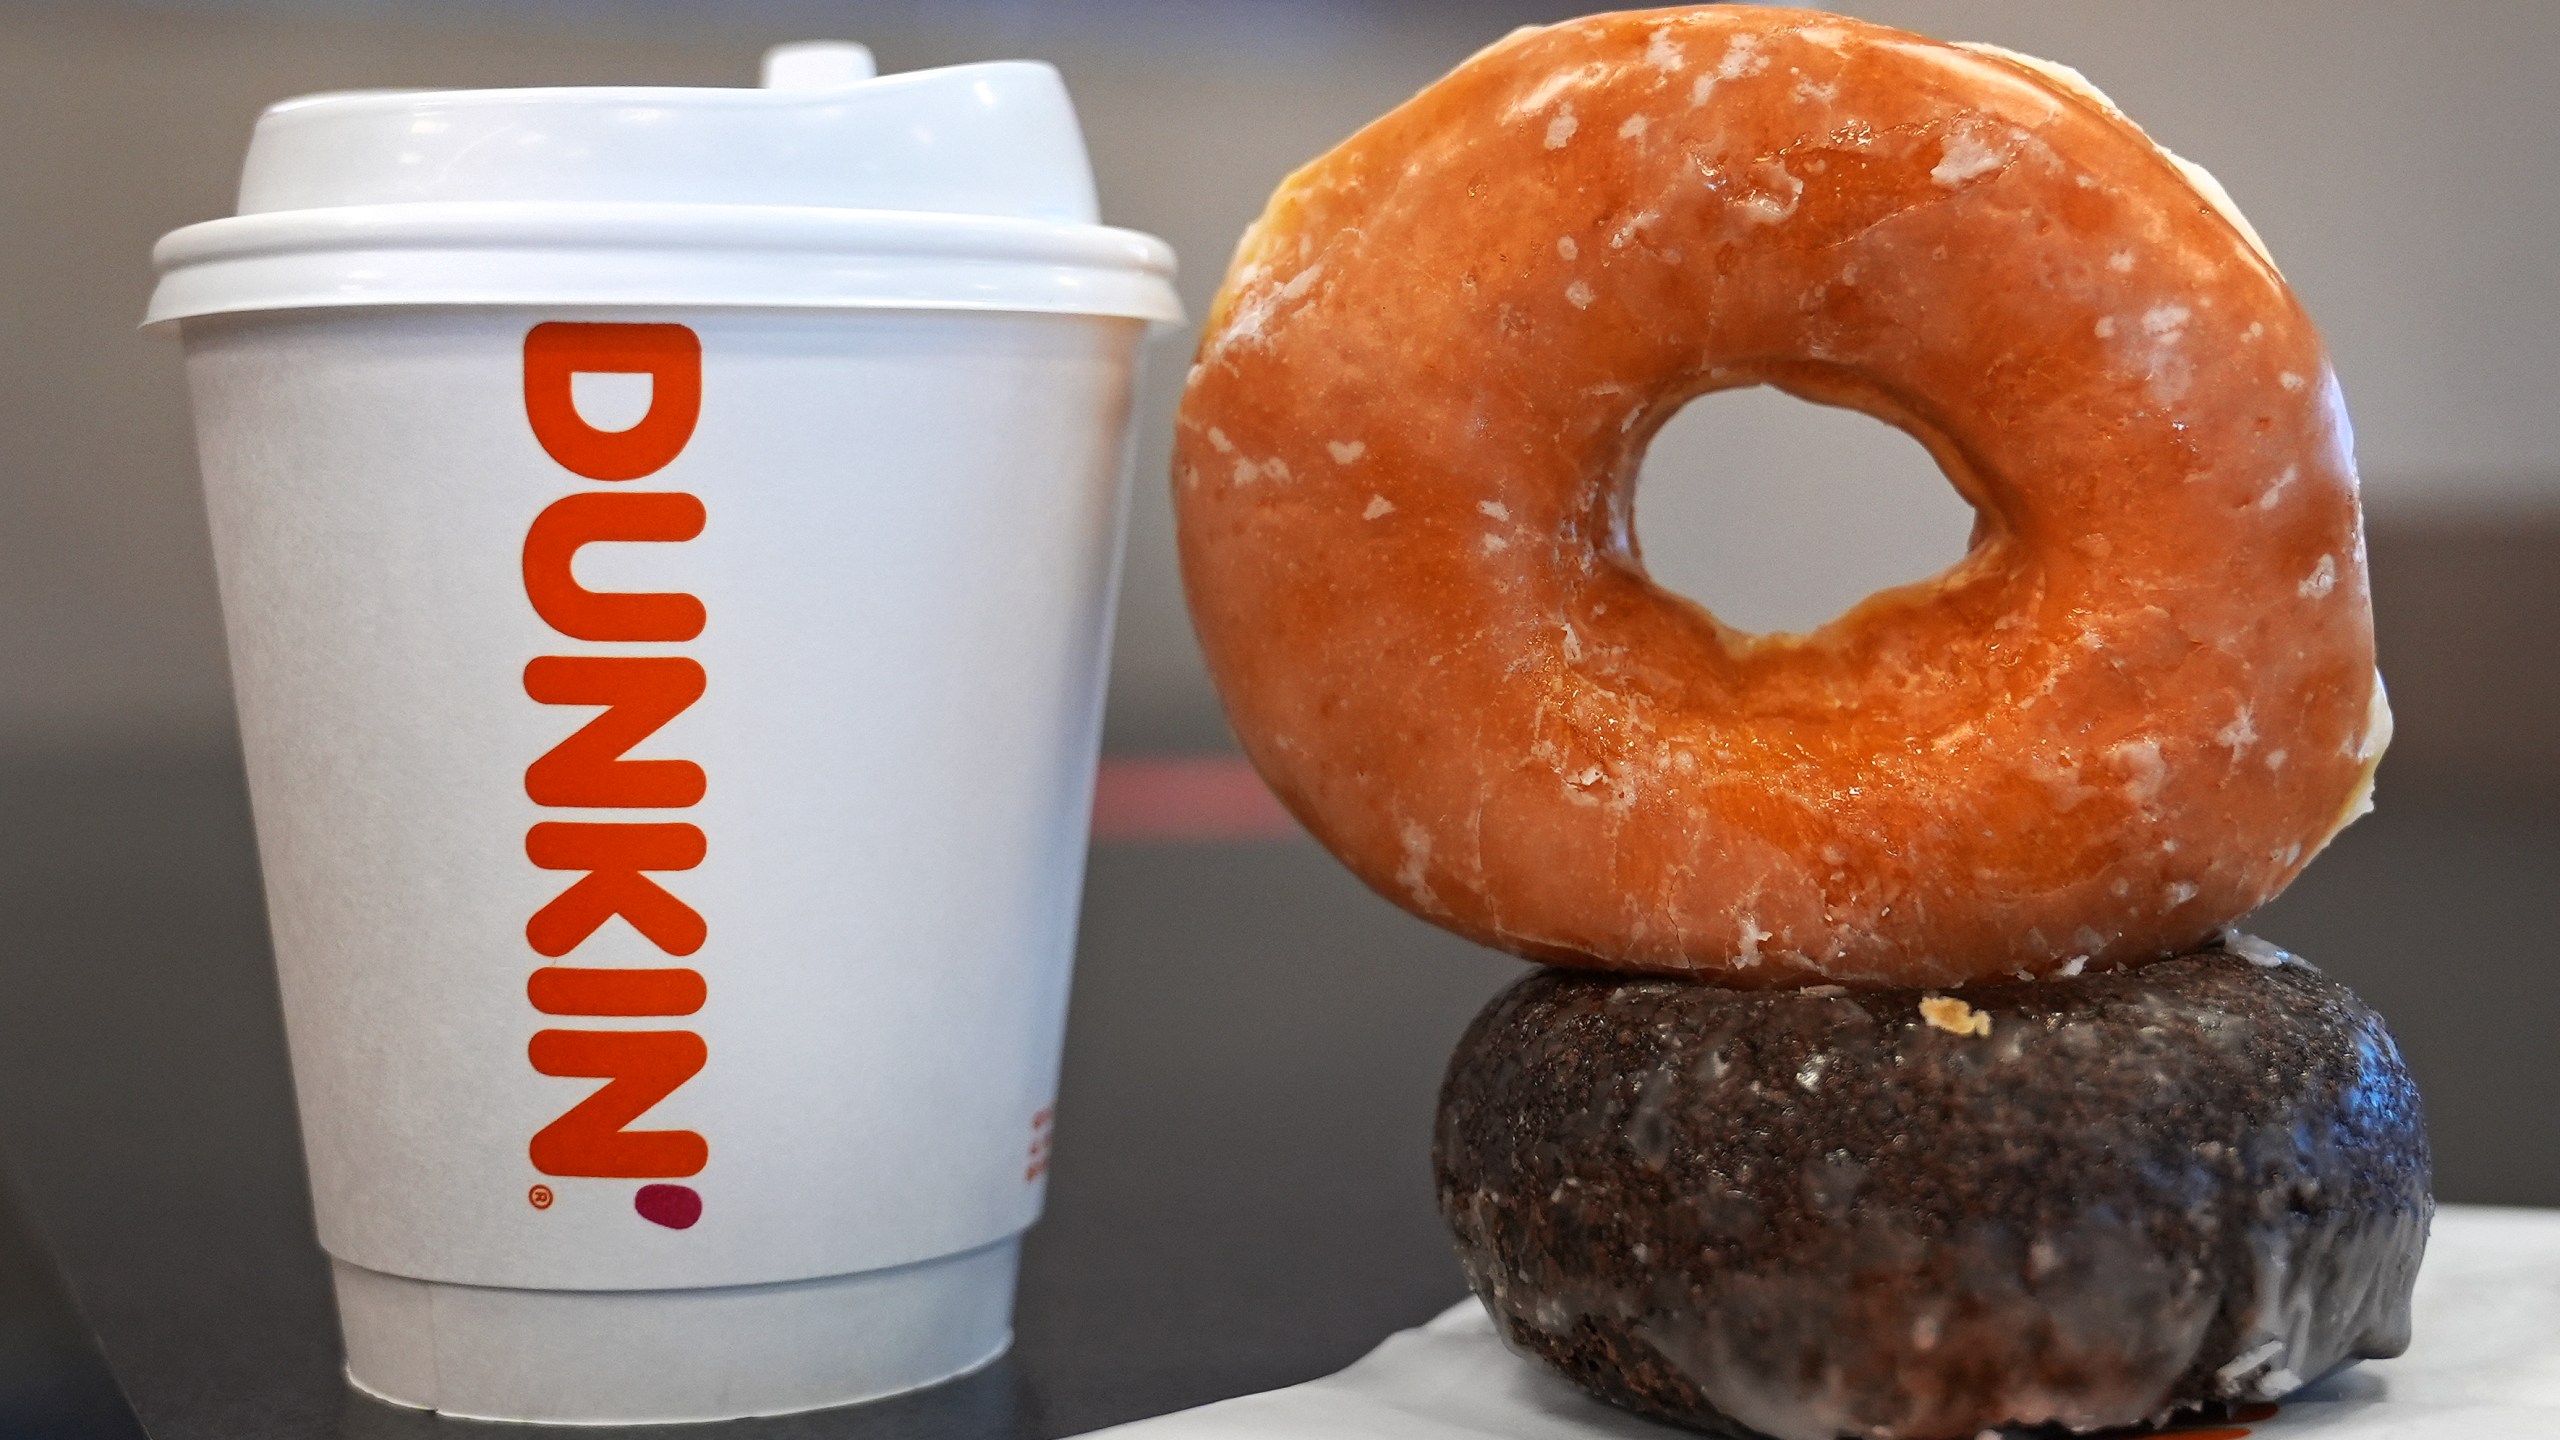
<point x="667" y="542"/>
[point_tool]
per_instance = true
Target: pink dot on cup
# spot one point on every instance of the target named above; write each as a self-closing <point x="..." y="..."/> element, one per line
<point x="674" y="1206"/>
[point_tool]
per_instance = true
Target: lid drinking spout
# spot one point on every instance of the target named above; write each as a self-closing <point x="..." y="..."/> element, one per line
<point x="818" y="65"/>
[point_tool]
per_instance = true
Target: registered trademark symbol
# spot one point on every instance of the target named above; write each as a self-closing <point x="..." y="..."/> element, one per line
<point x="540" y="1195"/>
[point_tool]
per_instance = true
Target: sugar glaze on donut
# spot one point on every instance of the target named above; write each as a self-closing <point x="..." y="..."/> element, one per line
<point x="1404" y="476"/>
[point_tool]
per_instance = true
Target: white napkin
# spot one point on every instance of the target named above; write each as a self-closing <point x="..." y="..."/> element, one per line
<point x="2485" y="1365"/>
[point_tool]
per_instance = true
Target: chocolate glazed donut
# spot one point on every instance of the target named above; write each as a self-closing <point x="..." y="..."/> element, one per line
<point x="2091" y="1202"/>
<point x="1404" y="471"/>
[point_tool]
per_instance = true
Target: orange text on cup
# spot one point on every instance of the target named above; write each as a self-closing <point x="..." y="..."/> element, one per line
<point x="618" y="863"/>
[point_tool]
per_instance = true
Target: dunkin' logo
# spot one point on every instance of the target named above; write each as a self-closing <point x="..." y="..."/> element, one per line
<point x="615" y="864"/>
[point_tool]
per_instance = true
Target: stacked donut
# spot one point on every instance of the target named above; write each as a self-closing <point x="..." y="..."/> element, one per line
<point x="1899" y="1074"/>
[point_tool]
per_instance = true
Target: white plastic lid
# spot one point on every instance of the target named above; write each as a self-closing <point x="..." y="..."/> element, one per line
<point x="961" y="188"/>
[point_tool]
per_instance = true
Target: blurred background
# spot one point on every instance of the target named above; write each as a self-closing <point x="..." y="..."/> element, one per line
<point x="1240" y="1196"/>
<point x="2400" y="160"/>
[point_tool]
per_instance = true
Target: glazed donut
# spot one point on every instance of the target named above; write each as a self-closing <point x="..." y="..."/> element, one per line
<point x="1404" y="476"/>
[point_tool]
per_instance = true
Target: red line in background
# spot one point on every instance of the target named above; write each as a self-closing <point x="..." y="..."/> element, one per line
<point x="1185" y="797"/>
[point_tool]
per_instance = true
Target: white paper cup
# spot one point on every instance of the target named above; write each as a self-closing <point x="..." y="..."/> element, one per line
<point x="714" y="1078"/>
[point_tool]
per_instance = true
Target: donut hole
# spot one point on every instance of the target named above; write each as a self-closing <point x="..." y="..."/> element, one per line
<point x="1778" y="514"/>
